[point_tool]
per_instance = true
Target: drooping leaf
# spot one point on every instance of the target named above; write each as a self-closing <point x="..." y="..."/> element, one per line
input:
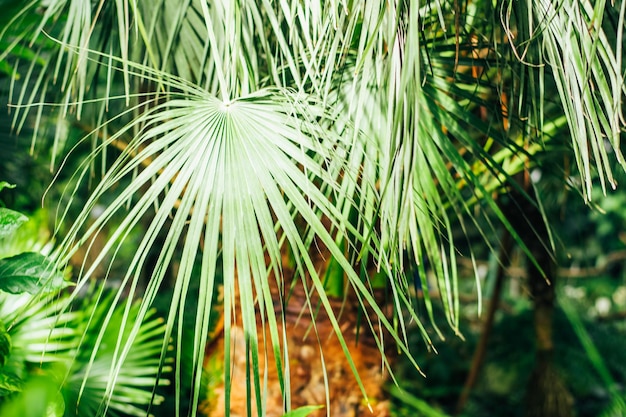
<point x="10" y="220"/>
<point x="4" y="184"/>
<point x="29" y="272"/>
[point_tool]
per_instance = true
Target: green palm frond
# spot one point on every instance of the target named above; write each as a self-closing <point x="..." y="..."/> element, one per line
<point x="236" y="179"/>
<point x="39" y="328"/>
<point x="57" y="342"/>
<point x="250" y="129"/>
<point x="570" y="48"/>
<point x="88" y="387"/>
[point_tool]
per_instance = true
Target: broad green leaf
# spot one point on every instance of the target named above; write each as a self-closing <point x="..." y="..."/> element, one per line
<point x="10" y="220"/>
<point x="29" y="272"/>
<point x="38" y="397"/>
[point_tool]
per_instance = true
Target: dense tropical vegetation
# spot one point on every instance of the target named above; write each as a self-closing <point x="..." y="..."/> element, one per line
<point x="47" y="353"/>
<point x="298" y="182"/>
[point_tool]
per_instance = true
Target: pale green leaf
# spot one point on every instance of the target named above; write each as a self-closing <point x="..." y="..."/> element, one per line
<point x="4" y="184"/>
<point x="10" y="221"/>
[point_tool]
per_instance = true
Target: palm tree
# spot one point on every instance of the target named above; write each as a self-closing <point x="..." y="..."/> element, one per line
<point x="300" y="146"/>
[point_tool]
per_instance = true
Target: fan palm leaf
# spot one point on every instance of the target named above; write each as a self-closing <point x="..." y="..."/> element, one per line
<point x="87" y="383"/>
<point x="236" y="178"/>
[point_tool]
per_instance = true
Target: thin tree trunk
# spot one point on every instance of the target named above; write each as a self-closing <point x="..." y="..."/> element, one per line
<point x="547" y="395"/>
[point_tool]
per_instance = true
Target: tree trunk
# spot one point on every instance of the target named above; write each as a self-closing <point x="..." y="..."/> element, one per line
<point x="307" y="380"/>
<point x="547" y="395"/>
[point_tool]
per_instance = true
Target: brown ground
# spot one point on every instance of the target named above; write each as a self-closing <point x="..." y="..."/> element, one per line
<point x="307" y="375"/>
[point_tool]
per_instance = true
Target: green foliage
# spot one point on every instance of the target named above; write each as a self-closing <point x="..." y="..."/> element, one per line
<point x="4" y="184"/>
<point x="23" y="273"/>
<point x="98" y="387"/>
<point x="64" y="346"/>
<point x="5" y="345"/>
<point x="30" y="272"/>
<point x="52" y="361"/>
<point x="243" y="131"/>
<point x="9" y="385"/>
<point x="617" y="405"/>
<point x="411" y="405"/>
<point x="39" y="397"/>
<point x="10" y="221"/>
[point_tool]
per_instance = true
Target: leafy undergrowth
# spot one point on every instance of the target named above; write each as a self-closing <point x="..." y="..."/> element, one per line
<point x="504" y="377"/>
<point x="59" y="359"/>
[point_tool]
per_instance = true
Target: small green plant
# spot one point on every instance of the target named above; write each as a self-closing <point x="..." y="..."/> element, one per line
<point x="52" y="361"/>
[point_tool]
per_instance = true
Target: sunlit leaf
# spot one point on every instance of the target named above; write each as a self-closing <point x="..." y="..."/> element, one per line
<point x="4" y="184"/>
<point x="10" y="221"/>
